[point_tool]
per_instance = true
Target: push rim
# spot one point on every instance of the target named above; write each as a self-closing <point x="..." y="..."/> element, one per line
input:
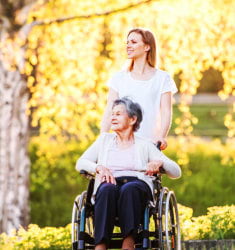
<point x="171" y="223"/>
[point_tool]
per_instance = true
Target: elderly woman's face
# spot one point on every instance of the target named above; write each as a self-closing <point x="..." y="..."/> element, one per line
<point x="120" y="119"/>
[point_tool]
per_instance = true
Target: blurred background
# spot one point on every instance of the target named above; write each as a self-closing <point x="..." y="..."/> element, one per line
<point x="73" y="49"/>
<point x="76" y="58"/>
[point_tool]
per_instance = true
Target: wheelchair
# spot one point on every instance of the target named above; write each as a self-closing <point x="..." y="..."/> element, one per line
<point x="160" y="228"/>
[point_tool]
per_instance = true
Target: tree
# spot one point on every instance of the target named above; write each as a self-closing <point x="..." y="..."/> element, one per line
<point x="14" y="125"/>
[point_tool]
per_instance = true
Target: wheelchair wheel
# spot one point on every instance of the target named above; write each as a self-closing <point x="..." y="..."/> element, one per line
<point x="168" y="222"/>
<point x="77" y="219"/>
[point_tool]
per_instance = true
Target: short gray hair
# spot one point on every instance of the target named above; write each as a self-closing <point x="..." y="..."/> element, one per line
<point x="133" y="109"/>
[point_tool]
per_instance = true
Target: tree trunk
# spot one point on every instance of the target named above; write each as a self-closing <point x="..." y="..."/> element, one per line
<point x="14" y="160"/>
<point x="14" y="127"/>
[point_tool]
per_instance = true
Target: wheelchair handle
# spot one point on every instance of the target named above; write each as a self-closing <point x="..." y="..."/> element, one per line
<point x="86" y="174"/>
<point x="158" y="145"/>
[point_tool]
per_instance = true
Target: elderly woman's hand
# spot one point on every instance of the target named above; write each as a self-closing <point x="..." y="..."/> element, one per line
<point x="105" y="175"/>
<point x="153" y="167"/>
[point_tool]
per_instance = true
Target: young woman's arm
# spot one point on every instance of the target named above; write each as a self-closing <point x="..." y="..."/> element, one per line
<point x="156" y="158"/>
<point x="166" y="117"/>
<point x="106" y="121"/>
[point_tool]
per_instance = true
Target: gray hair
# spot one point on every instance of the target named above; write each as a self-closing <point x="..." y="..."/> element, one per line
<point x="133" y="110"/>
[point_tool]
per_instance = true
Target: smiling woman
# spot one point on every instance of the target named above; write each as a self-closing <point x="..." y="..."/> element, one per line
<point x="152" y="88"/>
<point x="139" y="43"/>
<point x="124" y="165"/>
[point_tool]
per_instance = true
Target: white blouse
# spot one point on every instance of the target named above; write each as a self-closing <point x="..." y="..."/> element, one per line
<point x="121" y="162"/>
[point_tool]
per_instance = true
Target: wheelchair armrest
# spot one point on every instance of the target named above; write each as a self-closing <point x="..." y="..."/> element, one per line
<point x="87" y="174"/>
<point x="161" y="171"/>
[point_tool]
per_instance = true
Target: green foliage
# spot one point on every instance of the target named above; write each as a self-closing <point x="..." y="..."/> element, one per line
<point x="210" y="120"/>
<point x="219" y="223"/>
<point x="54" y="181"/>
<point x="36" y="238"/>
<point x="222" y="226"/>
<point x="207" y="180"/>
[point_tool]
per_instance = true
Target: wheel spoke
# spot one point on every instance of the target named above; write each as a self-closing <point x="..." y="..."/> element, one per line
<point x="167" y="221"/>
<point x="79" y="206"/>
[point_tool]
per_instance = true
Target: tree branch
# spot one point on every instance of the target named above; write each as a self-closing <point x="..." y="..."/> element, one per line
<point x="22" y="13"/>
<point x="65" y="19"/>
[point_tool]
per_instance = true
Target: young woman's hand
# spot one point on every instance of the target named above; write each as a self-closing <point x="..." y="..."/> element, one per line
<point x="105" y="175"/>
<point x="153" y="167"/>
<point x="163" y="142"/>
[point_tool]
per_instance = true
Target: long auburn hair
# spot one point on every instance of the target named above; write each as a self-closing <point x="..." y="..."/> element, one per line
<point x="148" y="38"/>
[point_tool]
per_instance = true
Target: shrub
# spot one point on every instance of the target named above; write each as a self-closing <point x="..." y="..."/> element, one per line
<point x="219" y="223"/>
<point x="208" y="178"/>
<point x="54" y="181"/>
<point x="36" y="238"/>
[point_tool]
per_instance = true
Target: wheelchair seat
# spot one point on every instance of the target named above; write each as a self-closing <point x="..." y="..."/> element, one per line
<point x="160" y="228"/>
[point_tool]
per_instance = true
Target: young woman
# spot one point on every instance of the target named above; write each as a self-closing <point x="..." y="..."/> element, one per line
<point x="152" y="88"/>
<point x="124" y="164"/>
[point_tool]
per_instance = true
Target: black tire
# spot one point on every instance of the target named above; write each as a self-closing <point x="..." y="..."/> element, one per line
<point x="78" y="206"/>
<point x="160" y="215"/>
<point x="168" y="221"/>
<point x="76" y="218"/>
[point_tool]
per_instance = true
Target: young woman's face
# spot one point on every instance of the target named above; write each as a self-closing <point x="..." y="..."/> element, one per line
<point x="120" y="120"/>
<point x="135" y="46"/>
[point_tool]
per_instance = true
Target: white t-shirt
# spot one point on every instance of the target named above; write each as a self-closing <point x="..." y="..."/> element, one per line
<point x="147" y="94"/>
<point x="121" y="162"/>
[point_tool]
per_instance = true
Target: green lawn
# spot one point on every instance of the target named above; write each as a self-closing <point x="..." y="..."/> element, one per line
<point x="210" y="120"/>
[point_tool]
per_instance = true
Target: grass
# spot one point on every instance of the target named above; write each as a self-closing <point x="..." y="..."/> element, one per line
<point x="210" y="120"/>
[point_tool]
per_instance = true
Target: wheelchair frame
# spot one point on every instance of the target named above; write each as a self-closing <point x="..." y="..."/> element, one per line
<point x="164" y="214"/>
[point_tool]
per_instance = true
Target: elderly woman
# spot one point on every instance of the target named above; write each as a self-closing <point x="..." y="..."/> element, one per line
<point x="124" y="164"/>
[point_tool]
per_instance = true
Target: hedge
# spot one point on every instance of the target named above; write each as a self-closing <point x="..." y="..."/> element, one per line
<point x="218" y="223"/>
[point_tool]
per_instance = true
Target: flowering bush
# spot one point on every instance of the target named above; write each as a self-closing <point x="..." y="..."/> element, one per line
<point x="219" y="223"/>
<point x="37" y="238"/>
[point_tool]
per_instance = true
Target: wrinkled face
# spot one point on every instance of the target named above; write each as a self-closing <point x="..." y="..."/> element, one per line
<point x="120" y="120"/>
<point x="135" y="46"/>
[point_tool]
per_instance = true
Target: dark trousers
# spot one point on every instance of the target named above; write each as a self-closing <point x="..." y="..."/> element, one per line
<point x="126" y="200"/>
